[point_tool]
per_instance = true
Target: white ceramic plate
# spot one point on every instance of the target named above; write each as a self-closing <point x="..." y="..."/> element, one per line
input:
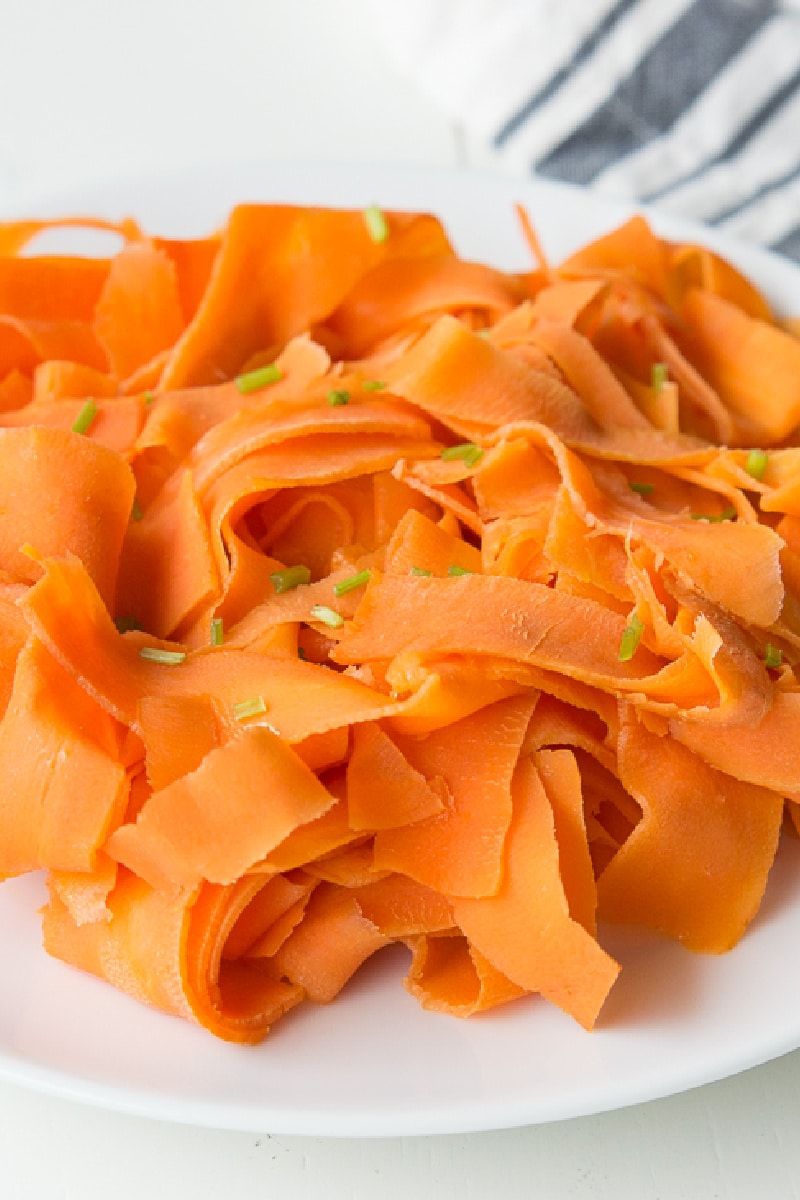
<point x="373" y="1063"/>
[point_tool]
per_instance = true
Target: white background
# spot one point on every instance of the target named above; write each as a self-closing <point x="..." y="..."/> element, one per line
<point x="91" y="89"/>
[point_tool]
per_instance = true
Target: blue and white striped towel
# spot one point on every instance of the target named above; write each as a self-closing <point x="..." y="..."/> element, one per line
<point x="691" y="104"/>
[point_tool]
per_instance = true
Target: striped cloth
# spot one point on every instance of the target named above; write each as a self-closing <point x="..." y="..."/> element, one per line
<point x="693" y="105"/>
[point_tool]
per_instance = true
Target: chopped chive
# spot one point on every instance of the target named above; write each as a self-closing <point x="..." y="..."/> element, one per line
<point x="156" y="654"/>
<point x="243" y="709"/>
<point x="630" y="639"/>
<point x="301" y="653"/>
<point x="644" y="489"/>
<point x="773" y="656"/>
<point x="328" y="616"/>
<point x="727" y="514"/>
<point x="217" y="631"/>
<point x="126" y="624"/>
<point x="349" y="585"/>
<point x="373" y="385"/>
<point x="85" y="417"/>
<point x="756" y="463"/>
<point x="136" y="510"/>
<point x="453" y="570"/>
<point x="289" y="578"/>
<point x="420" y="571"/>
<point x="658" y="376"/>
<point x="377" y="224"/>
<point x="149" y="397"/>
<point x="468" y="452"/>
<point x="337" y="398"/>
<point x="253" y="381"/>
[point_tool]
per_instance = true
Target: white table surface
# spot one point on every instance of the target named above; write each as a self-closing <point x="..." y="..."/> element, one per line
<point x="94" y="89"/>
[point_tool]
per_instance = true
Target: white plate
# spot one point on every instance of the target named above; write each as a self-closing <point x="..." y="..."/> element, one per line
<point x="373" y="1063"/>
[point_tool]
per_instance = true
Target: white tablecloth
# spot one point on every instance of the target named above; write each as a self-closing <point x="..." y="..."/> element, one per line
<point x="93" y="89"/>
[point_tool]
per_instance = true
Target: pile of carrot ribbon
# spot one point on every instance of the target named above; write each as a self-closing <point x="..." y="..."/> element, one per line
<point x="355" y="593"/>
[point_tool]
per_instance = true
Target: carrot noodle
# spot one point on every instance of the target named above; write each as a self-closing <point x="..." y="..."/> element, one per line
<point x="354" y="593"/>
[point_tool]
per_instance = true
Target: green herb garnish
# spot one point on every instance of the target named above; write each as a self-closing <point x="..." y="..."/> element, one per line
<point x="644" y="489"/>
<point x="217" y="631"/>
<point x="167" y="657"/>
<point x="468" y="452"/>
<point x="756" y="463"/>
<point x="253" y="381"/>
<point x="420" y="571"/>
<point x="85" y="417"/>
<point x="328" y="616"/>
<point x="629" y="642"/>
<point x="727" y="514"/>
<point x="289" y="578"/>
<point x="773" y="657"/>
<point x="453" y="570"/>
<point x="253" y="707"/>
<point x="337" y="398"/>
<point x="658" y="376"/>
<point x="376" y="222"/>
<point x="349" y="585"/>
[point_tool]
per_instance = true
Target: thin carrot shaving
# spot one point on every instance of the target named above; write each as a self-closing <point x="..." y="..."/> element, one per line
<point x="389" y="597"/>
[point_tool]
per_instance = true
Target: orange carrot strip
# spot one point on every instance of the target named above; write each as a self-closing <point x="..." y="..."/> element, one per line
<point x="64" y="787"/>
<point x="696" y="865"/>
<point x="85" y="893"/>
<point x="138" y="313"/>
<point x="459" y="377"/>
<point x="460" y="850"/>
<point x="400" y="907"/>
<point x="241" y="802"/>
<point x="755" y="367"/>
<point x="60" y="380"/>
<point x="449" y="975"/>
<point x="170" y="954"/>
<point x="402" y="289"/>
<point x="402" y="796"/>
<point x="90" y="495"/>
<point x="279" y="271"/>
<point x="525" y="930"/>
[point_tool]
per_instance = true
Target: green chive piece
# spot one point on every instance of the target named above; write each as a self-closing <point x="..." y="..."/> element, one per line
<point x="149" y="397"/>
<point x="349" y="585"/>
<point x="328" y="616"/>
<point x="420" y="571"/>
<point x="126" y="624"/>
<point x="301" y="653"/>
<point x="85" y="417"/>
<point x="630" y="639"/>
<point x="756" y="463"/>
<point x="217" y="631"/>
<point x="644" y="489"/>
<point x="136" y="510"/>
<point x="373" y="385"/>
<point x="377" y="224"/>
<point x="253" y="381"/>
<point x="453" y="570"/>
<point x="727" y="514"/>
<point x="336" y="398"/>
<point x="253" y="707"/>
<point x="468" y="452"/>
<point x="658" y="376"/>
<point x="289" y="578"/>
<point x="168" y="657"/>
<point x="773" y="656"/>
